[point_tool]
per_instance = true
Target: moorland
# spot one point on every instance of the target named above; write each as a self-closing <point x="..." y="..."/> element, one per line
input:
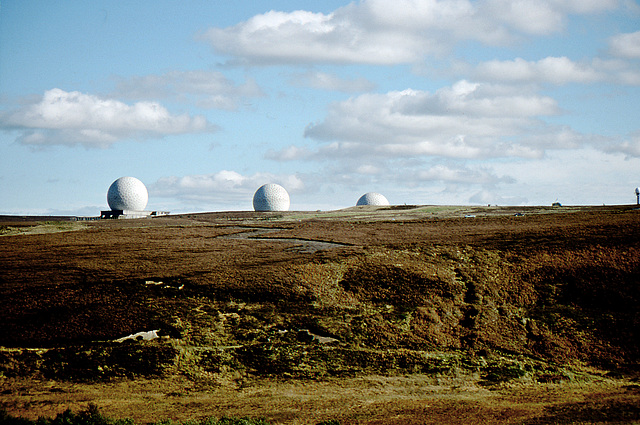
<point x="368" y="315"/>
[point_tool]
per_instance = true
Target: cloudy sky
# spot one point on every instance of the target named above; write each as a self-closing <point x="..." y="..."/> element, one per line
<point x="510" y="102"/>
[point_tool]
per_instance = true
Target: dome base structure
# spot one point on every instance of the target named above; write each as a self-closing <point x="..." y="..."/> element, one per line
<point x="124" y="214"/>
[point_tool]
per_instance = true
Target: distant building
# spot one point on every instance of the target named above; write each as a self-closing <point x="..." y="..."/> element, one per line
<point x="127" y="197"/>
<point x="131" y="214"/>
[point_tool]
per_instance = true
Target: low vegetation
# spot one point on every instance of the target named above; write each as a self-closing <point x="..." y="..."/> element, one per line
<point x="93" y="416"/>
<point x="494" y="297"/>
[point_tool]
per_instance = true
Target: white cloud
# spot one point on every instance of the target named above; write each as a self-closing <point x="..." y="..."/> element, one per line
<point x="539" y="17"/>
<point x="630" y="147"/>
<point x="586" y="6"/>
<point x="626" y="45"/>
<point x="493" y="197"/>
<point x="325" y="81"/>
<point x="534" y="17"/>
<point x="556" y="70"/>
<point x="584" y="176"/>
<point x="368" y="169"/>
<point x="434" y="181"/>
<point x="619" y="71"/>
<point x="466" y="120"/>
<point x="277" y="37"/>
<point x="70" y="118"/>
<point x="224" y="188"/>
<point x="207" y="89"/>
<point x="460" y="174"/>
<point x="290" y="153"/>
<point x="385" y="33"/>
<point x="559" y="175"/>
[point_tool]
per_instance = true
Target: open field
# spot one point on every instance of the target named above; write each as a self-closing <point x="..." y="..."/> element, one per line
<point x="397" y="315"/>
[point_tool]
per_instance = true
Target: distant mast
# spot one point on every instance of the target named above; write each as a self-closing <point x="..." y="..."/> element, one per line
<point x="637" y="195"/>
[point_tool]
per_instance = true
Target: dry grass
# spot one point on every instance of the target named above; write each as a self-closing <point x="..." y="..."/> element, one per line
<point x="409" y="399"/>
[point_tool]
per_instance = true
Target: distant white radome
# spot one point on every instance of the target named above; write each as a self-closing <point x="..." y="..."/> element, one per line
<point x="271" y="197"/>
<point x="127" y="193"/>
<point x="372" y="198"/>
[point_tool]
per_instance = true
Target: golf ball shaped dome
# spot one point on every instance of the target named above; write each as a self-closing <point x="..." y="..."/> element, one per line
<point x="372" y="198"/>
<point x="271" y="197"/>
<point x="127" y="193"/>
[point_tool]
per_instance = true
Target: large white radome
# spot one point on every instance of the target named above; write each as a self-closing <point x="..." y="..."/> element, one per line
<point x="372" y="198"/>
<point x="271" y="197"/>
<point x="127" y="193"/>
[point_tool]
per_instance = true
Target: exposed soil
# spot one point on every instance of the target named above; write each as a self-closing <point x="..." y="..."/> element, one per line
<point x="407" y="314"/>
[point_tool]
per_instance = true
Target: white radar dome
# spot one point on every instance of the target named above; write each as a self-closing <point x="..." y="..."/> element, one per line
<point x="372" y="198"/>
<point x="127" y="193"/>
<point x="271" y="197"/>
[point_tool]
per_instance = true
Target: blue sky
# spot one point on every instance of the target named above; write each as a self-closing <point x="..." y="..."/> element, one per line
<point x="427" y="102"/>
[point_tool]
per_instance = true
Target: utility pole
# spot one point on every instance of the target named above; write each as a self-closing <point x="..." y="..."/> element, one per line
<point x="637" y="195"/>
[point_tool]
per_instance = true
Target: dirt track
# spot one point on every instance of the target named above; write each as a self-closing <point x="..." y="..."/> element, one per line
<point x="435" y="312"/>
